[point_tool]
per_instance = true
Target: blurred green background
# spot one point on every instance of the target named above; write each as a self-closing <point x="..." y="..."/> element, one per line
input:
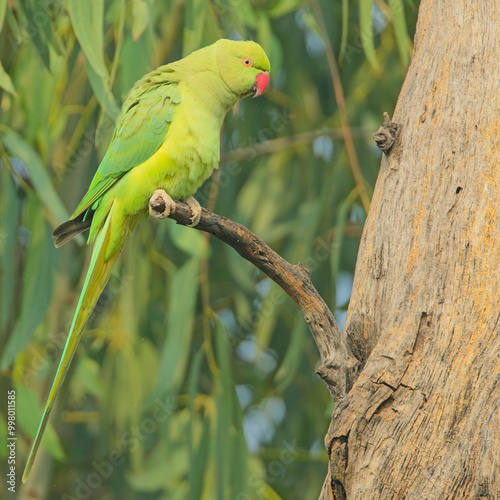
<point x="195" y="377"/>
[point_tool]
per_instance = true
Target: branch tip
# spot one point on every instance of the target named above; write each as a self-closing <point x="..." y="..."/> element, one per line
<point x="386" y="135"/>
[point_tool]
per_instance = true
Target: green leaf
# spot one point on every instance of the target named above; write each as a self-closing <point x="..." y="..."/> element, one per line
<point x="199" y="462"/>
<point x="237" y="15"/>
<point x="10" y="207"/>
<point x="194" y="22"/>
<point x="42" y="184"/>
<point x="3" y="8"/>
<point x="269" y="41"/>
<point x="230" y="443"/>
<point x="35" y="20"/>
<point x="47" y="29"/>
<point x="338" y="244"/>
<point x="345" y="28"/>
<point x="198" y="455"/>
<point x="291" y="362"/>
<point x="86" y="379"/>
<point x="140" y="17"/>
<point x="398" y="18"/>
<point x="123" y="373"/>
<point x="134" y="61"/>
<point x="366" y="31"/>
<point x="37" y="283"/>
<point x="167" y="465"/>
<point x="3" y="436"/>
<point x="187" y="240"/>
<point x="283" y="7"/>
<point x="180" y="320"/>
<point x="102" y="90"/>
<point x="88" y="20"/>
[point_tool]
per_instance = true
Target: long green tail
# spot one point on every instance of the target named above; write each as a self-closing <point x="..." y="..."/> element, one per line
<point x="95" y="281"/>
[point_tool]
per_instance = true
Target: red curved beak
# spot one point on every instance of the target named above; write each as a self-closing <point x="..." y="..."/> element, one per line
<point x="261" y="83"/>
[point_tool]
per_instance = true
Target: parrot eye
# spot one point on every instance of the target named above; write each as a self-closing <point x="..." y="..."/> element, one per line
<point x="246" y="62"/>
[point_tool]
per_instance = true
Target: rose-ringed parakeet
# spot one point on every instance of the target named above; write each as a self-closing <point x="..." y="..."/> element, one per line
<point x="167" y="137"/>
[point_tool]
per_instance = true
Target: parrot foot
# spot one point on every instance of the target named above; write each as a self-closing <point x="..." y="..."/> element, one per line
<point x="161" y="204"/>
<point x="195" y="207"/>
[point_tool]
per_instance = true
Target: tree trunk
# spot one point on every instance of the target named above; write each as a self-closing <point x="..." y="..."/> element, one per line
<point x="422" y="420"/>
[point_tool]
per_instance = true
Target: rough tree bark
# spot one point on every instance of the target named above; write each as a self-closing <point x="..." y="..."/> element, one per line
<point x="422" y="420"/>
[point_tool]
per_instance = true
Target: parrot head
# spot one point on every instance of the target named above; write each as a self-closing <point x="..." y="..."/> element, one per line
<point x="243" y="66"/>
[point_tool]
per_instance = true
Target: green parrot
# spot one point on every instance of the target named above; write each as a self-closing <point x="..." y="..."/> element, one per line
<point x="167" y="137"/>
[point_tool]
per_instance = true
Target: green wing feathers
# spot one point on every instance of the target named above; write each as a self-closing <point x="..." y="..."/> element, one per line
<point x="95" y="281"/>
<point x="141" y="129"/>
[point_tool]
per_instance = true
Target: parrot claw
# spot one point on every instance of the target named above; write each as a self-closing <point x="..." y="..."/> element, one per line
<point x="195" y="207"/>
<point x="161" y="204"/>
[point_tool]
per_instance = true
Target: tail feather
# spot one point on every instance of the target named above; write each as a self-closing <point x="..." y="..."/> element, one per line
<point x="97" y="276"/>
<point x="71" y="228"/>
